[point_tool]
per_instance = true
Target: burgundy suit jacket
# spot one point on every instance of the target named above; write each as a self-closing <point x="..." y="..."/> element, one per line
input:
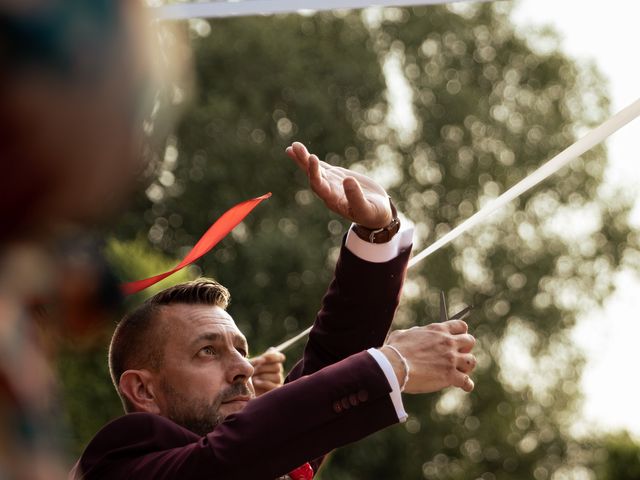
<point x="335" y="395"/>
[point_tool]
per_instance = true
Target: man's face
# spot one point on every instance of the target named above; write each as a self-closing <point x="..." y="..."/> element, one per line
<point x="205" y="374"/>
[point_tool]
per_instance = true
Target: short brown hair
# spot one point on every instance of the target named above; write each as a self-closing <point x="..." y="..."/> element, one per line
<point x="137" y="341"/>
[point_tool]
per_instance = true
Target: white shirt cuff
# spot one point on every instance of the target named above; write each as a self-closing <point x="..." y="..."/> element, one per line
<point x="381" y="252"/>
<point x="395" y="395"/>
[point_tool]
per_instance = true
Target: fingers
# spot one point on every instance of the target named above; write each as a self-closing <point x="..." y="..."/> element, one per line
<point x="299" y="154"/>
<point x="456" y="326"/>
<point x="466" y="363"/>
<point x="268" y="373"/>
<point x="264" y="386"/>
<point x="357" y="203"/>
<point x="292" y="155"/>
<point x="265" y="383"/>
<point x="312" y="166"/>
<point x="465" y="342"/>
<point x="458" y="330"/>
<point x="300" y="149"/>
<point x="268" y="368"/>
<point x="315" y="177"/>
<point x="271" y="356"/>
<point x="275" y="377"/>
<point x="318" y="184"/>
<point x="462" y="380"/>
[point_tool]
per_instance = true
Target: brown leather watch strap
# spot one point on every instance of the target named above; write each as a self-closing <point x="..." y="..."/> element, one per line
<point x="380" y="235"/>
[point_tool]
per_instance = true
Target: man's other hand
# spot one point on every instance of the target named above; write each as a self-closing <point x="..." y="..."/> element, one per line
<point x="350" y="194"/>
<point x="439" y="355"/>
<point x="268" y="371"/>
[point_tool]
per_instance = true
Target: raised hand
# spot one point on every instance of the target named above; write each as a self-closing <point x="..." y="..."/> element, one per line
<point x="439" y="355"/>
<point x="352" y="195"/>
<point x="268" y="370"/>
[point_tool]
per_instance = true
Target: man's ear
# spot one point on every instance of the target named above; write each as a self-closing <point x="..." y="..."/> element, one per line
<point x="138" y="387"/>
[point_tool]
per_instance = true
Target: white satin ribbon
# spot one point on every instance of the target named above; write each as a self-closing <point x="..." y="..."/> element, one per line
<point x="587" y="142"/>
<point x="184" y="11"/>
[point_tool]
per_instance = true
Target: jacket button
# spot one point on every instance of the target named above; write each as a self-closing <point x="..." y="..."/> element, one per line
<point x="345" y="403"/>
<point x="337" y="407"/>
<point x="353" y="399"/>
<point x="363" y="395"/>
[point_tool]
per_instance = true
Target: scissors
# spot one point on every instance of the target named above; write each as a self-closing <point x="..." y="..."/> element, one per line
<point x="444" y="316"/>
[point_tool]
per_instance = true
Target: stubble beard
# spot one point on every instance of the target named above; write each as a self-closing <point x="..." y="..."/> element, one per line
<point x="199" y="415"/>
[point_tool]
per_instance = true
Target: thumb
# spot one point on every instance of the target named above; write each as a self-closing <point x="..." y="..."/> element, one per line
<point x="357" y="203"/>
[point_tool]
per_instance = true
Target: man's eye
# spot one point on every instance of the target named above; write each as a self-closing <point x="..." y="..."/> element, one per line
<point x="242" y="351"/>
<point x="208" y="351"/>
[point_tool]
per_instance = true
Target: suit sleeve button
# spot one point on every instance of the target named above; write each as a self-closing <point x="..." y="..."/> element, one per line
<point x="353" y="399"/>
<point x="363" y="395"/>
<point x="345" y="403"/>
<point x="337" y="407"/>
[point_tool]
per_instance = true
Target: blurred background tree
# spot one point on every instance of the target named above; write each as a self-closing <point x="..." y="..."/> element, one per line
<point x="476" y="109"/>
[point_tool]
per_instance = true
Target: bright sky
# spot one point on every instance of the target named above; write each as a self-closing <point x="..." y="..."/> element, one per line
<point x="608" y="34"/>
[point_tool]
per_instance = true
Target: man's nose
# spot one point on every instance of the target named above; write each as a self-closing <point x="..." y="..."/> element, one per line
<point x="240" y="369"/>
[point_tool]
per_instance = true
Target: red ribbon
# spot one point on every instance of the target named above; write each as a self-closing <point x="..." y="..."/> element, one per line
<point x="303" y="472"/>
<point x="216" y="232"/>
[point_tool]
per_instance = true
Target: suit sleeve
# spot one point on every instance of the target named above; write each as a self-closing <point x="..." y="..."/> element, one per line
<point x="356" y="314"/>
<point x="306" y="419"/>
<point x="356" y="311"/>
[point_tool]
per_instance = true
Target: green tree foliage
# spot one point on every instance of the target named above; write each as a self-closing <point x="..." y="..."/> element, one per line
<point x="487" y="109"/>
<point x="261" y="84"/>
<point x="619" y="458"/>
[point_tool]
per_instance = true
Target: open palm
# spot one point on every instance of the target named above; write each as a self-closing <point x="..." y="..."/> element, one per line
<point x="350" y="194"/>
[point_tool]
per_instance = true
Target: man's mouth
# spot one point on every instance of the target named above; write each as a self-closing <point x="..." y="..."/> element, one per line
<point x="242" y="398"/>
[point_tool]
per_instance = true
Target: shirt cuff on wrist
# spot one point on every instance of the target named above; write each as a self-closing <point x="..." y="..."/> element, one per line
<point x="381" y="252"/>
<point x="387" y="369"/>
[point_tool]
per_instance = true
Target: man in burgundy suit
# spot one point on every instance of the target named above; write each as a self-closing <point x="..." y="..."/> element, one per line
<point x="180" y="364"/>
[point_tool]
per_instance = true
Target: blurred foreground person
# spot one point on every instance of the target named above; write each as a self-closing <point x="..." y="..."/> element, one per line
<point x="77" y="78"/>
<point x="179" y="364"/>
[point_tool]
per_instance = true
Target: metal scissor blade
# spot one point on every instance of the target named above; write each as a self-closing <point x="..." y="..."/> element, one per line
<point x="478" y="301"/>
<point x="462" y="313"/>
<point x="443" y="307"/>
